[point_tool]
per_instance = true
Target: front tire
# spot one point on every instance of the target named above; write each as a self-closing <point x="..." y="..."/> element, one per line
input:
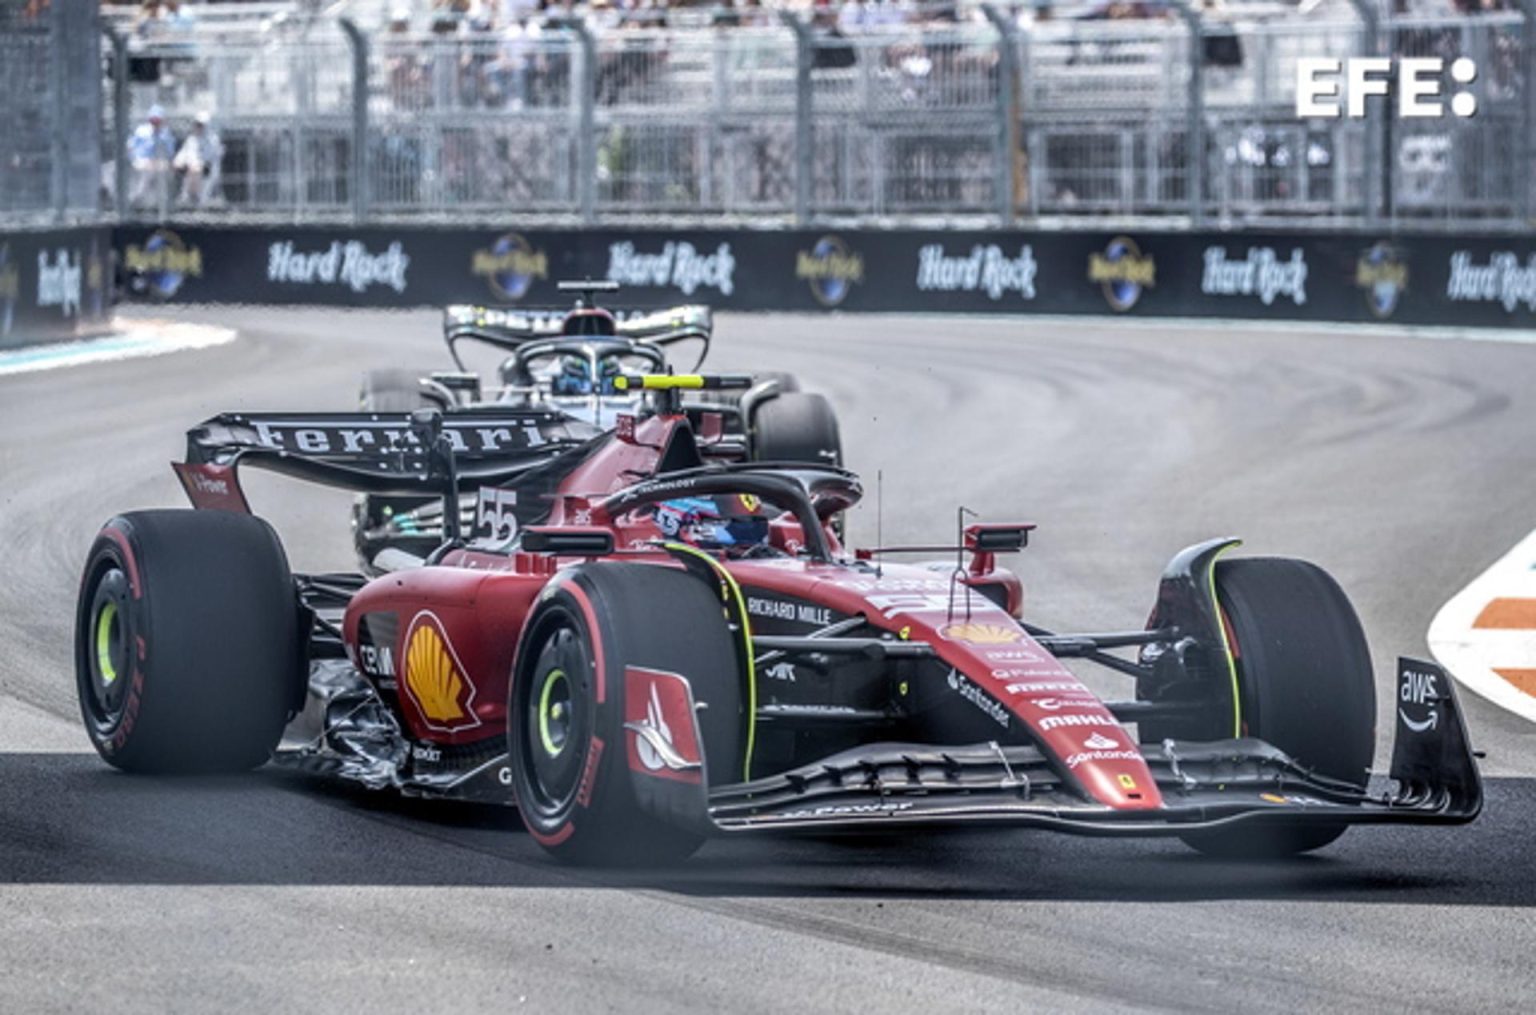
<point x="567" y="749"/>
<point x="1305" y="685"/>
<point x="187" y="645"/>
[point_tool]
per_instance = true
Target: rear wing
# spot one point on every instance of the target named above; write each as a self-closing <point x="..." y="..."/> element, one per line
<point x="508" y="329"/>
<point x="373" y="452"/>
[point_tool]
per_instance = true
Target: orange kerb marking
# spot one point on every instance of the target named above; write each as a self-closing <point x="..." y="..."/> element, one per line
<point x="1508" y="613"/>
<point x="1525" y="680"/>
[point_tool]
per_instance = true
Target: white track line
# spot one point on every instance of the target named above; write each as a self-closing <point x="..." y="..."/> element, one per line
<point x="130" y="339"/>
<point x="1384" y="329"/>
<point x="1471" y="654"/>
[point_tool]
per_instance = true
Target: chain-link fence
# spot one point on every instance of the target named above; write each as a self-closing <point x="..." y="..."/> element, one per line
<point x="997" y="115"/>
<point x="50" y="164"/>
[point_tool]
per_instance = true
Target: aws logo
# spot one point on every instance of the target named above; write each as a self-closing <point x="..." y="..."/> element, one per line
<point x="1383" y="277"/>
<point x="831" y="269"/>
<point x="10" y="289"/>
<point x="163" y="264"/>
<point x="511" y="265"/>
<point x="434" y="678"/>
<point x="1123" y="272"/>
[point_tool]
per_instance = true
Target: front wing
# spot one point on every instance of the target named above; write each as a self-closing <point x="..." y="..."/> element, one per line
<point x="1433" y="779"/>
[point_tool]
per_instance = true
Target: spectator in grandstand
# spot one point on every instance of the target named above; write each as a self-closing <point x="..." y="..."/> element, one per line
<point x="161" y="19"/>
<point x="602" y="16"/>
<point x="623" y="71"/>
<point x="406" y="65"/>
<point x="869" y="14"/>
<point x="516" y="11"/>
<point x="151" y="147"/>
<point x="833" y="50"/>
<point x="752" y="14"/>
<point x="518" y="55"/>
<point x="448" y="14"/>
<point x="198" y="162"/>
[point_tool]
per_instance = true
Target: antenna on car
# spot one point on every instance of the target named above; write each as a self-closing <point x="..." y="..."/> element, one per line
<point x="879" y="517"/>
<point x="958" y="574"/>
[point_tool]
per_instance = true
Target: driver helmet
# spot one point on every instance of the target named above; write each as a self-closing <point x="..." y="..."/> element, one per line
<point x="714" y="523"/>
<point x="609" y="368"/>
<point x="574" y="376"/>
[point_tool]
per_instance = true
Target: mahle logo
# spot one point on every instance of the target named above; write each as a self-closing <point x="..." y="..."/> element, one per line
<point x="1383" y="277"/>
<point x="163" y="263"/>
<point x="831" y="269"/>
<point x="1123" y="272"/>
<point x="511" y="265"/>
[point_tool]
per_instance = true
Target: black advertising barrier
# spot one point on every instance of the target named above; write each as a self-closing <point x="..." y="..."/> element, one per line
<point x="1404" y="278"/>
<point x="54" y="284"/>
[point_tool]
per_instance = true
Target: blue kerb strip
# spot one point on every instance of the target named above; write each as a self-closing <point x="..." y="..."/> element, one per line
<point x="108" y="345"/>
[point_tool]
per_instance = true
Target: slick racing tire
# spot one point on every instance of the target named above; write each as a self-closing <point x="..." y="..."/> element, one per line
<point x="797" y="427"/>
<point x="787" y="382"/>
<point x="388" y="390"/>
<point x="188" y="654"/>
<point x="1305" y="684"/>
<point x="570" y="753"/>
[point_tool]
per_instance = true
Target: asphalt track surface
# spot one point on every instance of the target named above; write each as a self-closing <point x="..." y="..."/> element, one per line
<point x="1402" y="465"/>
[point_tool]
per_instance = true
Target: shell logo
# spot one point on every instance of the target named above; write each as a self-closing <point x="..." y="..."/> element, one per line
<point x="435" y="679"/>
<point x="982" y="634"/>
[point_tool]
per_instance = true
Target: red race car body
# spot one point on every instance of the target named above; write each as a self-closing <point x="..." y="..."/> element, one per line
<point x="645" y="641"/>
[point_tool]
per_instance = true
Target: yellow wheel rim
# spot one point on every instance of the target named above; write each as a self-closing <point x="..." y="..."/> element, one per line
<point x="551" y="712"/>
<point x="104" y="623"/>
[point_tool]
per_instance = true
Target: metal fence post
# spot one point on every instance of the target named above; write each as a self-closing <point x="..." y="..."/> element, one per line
<point x="1194" y="128"/>
<point x="804" y="128"/>
<point x="359" y="182"/>
<point x="58" y="186"/>
<point x="1377" y="165"/>
<point x="1527" y="203"/>
<point x="1008" y="109"/>
<point x="119" y="119"/>
<point x="586" y="122"/>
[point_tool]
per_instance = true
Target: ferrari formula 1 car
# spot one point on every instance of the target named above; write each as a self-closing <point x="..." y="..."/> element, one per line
<point x="567" y="360"/>
<point x="641" y="645"/>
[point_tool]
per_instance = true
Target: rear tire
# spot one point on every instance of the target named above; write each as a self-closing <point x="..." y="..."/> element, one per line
<point x="787" y="382"/>
<point x="188" y="655"/>
<point x="624" y="615"/>
<point x="1305" y="685"/>
<point x="390" y="389"/>
<point x="797" y="427"/>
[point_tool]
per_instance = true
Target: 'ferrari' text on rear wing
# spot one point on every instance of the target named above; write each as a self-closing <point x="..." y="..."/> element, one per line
<point x="373" y="451"/>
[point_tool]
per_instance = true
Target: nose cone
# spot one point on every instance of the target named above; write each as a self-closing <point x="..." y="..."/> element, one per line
<point x="1122" y="783"/>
